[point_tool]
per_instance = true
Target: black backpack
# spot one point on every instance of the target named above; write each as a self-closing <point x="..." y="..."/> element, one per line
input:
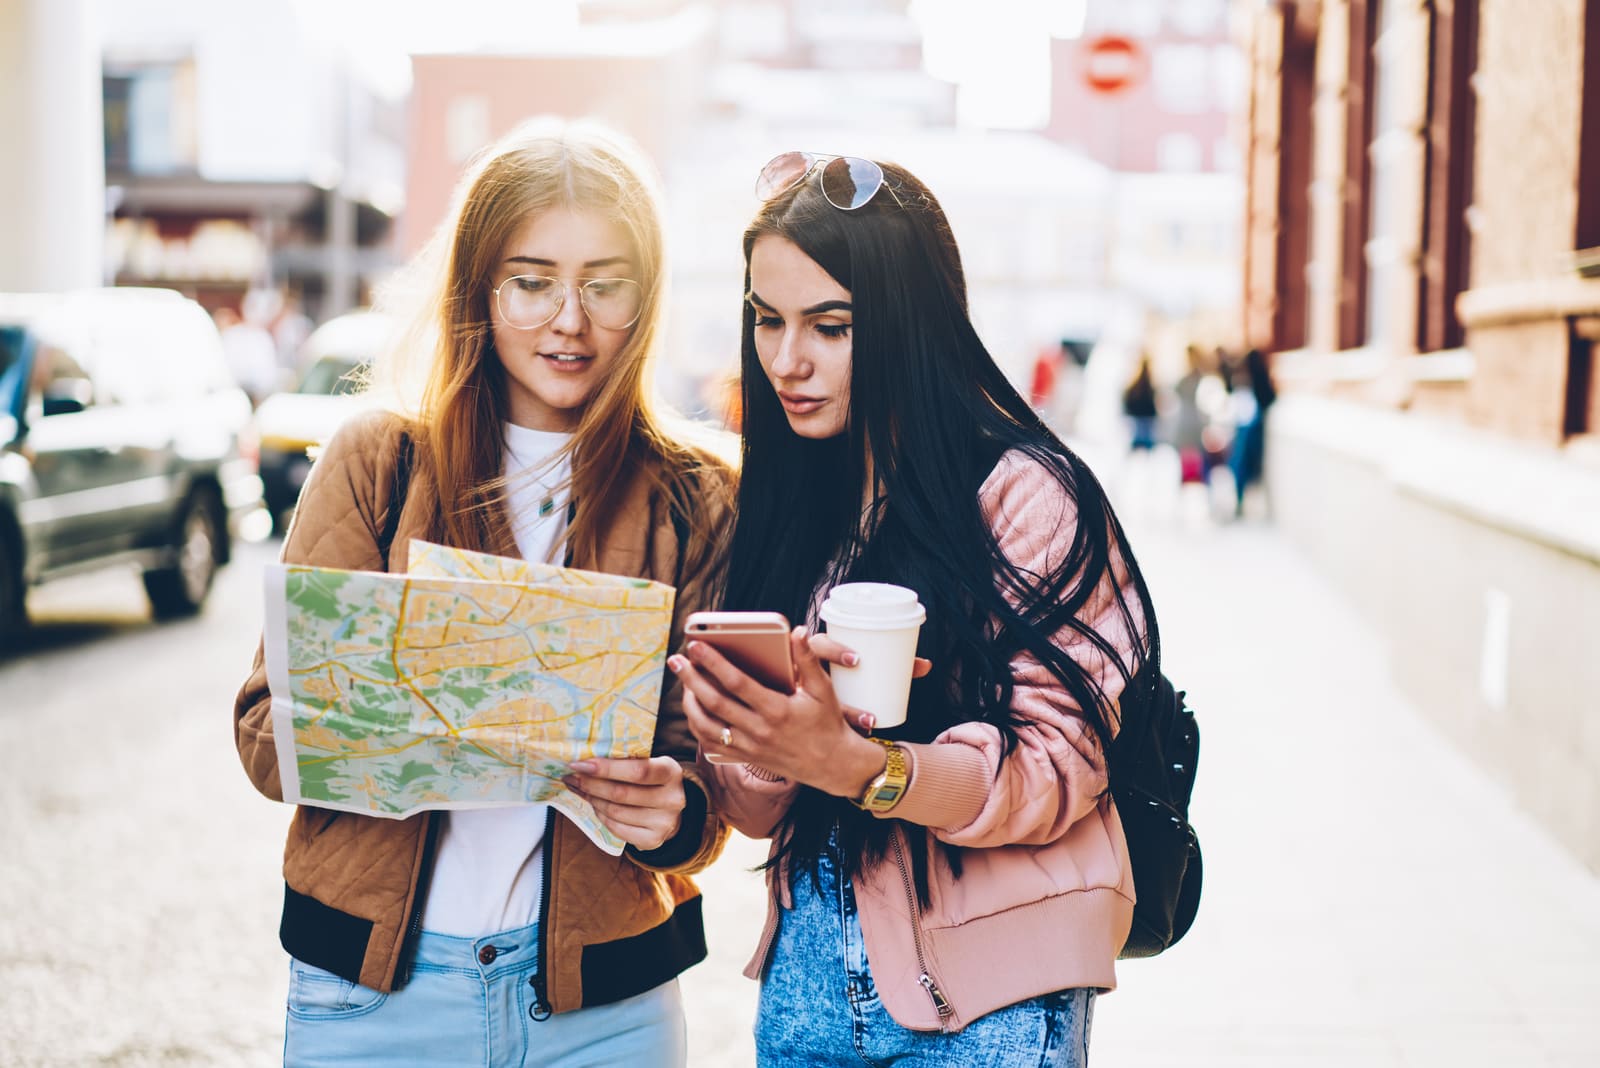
<point x="1152" y="764"/>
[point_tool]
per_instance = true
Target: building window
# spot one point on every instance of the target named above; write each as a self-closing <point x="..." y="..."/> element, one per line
<point x="466" y="126"/>
<point x="1228" y="78"/>
<point x="1182" y="78"/>
<point x="1583" y="388"/>
<point x="1133" y="18"/>
<point x="1179" y="153"/>
<point x="1291" y="322"/>
<point x="1391" y="139"/>
<point x="1447" y="184"/>
<point x="1588" y="235"/>
<point x="1358" y="175"/>
<point x="1198" y="18"/>
<point x="151" y="119"/>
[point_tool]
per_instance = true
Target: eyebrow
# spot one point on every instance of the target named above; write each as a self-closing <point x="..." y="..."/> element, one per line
<point x="589" y="265"/>
<point x="815" y="309"/>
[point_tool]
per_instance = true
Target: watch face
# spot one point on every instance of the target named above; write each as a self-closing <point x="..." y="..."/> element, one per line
<point x="886" y="795"/>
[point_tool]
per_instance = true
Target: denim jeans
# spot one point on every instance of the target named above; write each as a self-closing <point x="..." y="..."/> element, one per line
<point x="819" y="1006"/>
<point x="467" y="1004"/>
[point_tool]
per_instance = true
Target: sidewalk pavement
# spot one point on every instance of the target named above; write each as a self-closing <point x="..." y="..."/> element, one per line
<point x="1371" y="898"/>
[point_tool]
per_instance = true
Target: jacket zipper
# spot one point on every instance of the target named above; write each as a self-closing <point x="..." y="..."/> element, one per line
<point x="769" y="930"/>
<point x="408" y="946"/>
<point x="928" y="982"/>
<point x="540" y="1009"/>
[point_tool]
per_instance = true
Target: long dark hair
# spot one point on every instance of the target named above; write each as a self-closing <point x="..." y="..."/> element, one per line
<point x="937" y="414"/>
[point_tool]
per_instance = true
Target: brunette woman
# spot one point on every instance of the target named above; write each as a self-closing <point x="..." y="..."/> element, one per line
<point x="955" y="890"/>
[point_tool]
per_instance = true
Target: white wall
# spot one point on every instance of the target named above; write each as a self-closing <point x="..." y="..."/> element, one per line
<point x="52" y="188"/>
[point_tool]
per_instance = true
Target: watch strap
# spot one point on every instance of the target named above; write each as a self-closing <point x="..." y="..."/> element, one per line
<point x="889" y="786"/>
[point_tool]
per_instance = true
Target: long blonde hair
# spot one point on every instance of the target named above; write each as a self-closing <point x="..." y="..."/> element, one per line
<point x="444" y="370"/>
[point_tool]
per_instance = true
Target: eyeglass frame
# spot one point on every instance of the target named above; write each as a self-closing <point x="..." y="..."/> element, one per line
<point x="561" y="302"/>
<point x="813" y="159"/>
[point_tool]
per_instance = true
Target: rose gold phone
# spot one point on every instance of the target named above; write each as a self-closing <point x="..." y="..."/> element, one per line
<point x="756" y="642"/>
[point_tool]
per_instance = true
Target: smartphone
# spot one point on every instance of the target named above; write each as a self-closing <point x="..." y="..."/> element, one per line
<point x="756" y="642"/>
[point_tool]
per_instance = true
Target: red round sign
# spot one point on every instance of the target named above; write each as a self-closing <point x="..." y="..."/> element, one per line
<point x="1112" y="64"/>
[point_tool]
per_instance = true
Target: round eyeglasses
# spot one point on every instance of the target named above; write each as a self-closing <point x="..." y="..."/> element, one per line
<point x="528" y="301"/>
<point x="848" y="182"/>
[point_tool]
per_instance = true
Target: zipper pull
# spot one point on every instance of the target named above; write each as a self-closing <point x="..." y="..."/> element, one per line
<point x="540" y="1009"/>
<point x="939" y="1003"/>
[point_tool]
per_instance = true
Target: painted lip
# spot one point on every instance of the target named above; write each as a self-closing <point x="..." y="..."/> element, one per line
<point x="799" y="403"/>
<point x="567" y="366"/>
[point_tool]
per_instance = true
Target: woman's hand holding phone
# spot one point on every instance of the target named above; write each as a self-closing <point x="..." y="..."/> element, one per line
<point x="804" y="736"/>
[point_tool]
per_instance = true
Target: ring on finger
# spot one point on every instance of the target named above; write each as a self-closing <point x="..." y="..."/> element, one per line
<point x="726" y="738"/>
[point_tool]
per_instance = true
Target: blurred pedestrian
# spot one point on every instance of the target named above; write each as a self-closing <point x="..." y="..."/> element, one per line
<point x="1253" y="394"/>
<point x="1139" y="404"/>
<point x="505" y="935"/>
<point x="1047" y="364"/>
<point x="290" y="326"/>
<point x="249" y="353"/>
<point x="1189" y="423"/>
<point x="883" y="444"/>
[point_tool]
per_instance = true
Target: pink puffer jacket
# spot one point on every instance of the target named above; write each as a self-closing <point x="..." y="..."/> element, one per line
<point x="1046" y="896"/>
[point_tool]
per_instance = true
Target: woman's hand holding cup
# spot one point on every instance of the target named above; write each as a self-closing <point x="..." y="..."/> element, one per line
<point x="830" y="649"/>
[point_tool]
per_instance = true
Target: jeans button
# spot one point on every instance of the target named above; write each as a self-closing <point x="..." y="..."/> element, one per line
<point x="487" y="954"/>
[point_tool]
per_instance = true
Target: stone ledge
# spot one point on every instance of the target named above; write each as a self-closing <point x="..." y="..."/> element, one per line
<point x="1541" y="494"/>
<point x="1532" y="301"/>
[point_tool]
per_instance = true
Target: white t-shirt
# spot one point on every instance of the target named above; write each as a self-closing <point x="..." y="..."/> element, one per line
<point x="488" y="870"/>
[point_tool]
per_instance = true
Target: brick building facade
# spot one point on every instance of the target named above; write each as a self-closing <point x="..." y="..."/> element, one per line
<point x="1423" y="258"/>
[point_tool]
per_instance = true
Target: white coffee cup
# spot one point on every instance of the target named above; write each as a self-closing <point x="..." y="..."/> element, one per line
<point x="879" y="622"/>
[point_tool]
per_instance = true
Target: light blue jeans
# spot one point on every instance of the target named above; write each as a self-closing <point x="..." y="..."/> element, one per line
<point x="819" y="1006"/>
<point x="467" y="1004"/>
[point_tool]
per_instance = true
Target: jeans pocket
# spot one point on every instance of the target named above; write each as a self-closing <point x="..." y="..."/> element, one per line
<point x="317" y="994"/>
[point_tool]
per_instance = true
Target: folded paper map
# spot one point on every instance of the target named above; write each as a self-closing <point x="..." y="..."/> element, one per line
<point x="472" y="681"/>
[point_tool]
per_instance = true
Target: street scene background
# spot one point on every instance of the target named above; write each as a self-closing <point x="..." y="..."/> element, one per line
<point x="1378" y="219"/>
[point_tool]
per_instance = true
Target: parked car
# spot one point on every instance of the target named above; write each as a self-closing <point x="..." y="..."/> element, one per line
<point x="292" y="425"/>
<point x="123" y="439"/>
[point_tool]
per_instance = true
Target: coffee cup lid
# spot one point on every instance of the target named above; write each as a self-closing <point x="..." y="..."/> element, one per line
<point x="872" y="606"/>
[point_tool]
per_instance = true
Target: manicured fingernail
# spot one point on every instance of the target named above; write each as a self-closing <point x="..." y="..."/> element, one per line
<point x="585" y="767"/>
<point x="676" y="663"/>
<point x="850" y="659"/>
<point x="868" y="720"/>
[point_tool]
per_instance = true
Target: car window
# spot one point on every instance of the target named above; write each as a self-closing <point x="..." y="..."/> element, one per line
<point x="156" y="351"/>
<point x="330" y="375"/>
<point x="12" y="340"/>
<point x="58" y="383"/>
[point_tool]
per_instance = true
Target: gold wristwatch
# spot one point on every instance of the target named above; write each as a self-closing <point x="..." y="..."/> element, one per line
<point x="885" y="791"/>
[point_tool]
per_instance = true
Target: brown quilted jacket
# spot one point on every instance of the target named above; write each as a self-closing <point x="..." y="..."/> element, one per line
<point x="354" y="885"/>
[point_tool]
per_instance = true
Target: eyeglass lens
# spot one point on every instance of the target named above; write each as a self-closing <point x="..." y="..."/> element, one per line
<point x="848" y="182"/>
<point x="531" y="300"/>
<point x="783" y="171"/>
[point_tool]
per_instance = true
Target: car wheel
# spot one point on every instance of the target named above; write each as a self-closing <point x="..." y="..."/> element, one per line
<point x="13" y="603"/>
<point x="179" y="590"/>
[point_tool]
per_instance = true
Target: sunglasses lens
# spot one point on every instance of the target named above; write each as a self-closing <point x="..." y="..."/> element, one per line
<point x="781" y="172"/>
<point x="849" y="183"/>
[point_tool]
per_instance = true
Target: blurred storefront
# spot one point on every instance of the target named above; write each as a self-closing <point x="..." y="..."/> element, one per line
<point x="1153" y="90"/>
<point x="1422" y="252"/>
<point x="241" y="154"/>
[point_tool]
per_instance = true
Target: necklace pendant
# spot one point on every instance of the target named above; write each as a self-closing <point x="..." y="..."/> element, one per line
<point x="547" y="506"/>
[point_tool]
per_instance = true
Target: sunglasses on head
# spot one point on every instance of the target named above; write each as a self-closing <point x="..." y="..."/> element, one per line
<point x="848" y="182"/>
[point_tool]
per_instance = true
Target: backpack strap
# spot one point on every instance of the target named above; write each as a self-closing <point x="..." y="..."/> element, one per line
<point x="401" y="480"/>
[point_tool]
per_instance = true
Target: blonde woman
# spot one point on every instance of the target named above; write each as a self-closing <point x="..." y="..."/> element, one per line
<point x="504" y="936"/>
